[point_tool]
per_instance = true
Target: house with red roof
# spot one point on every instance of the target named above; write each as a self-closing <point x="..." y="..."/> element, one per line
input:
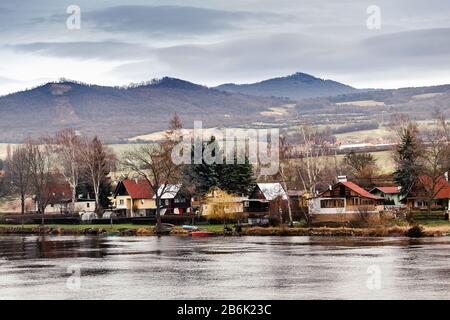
<point x="344" y="201"/>
<point x="59" y="200"/>
<point x="134" y="198"/>
<point x="424" y="189"/>
<point x="391" y="194"/>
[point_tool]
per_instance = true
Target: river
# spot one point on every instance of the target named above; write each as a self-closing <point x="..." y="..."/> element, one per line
<point x="62" y="267"/>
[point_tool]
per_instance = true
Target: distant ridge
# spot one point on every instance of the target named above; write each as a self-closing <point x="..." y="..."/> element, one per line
<point x="297" y="86"/>
<point x="117" y="113"/>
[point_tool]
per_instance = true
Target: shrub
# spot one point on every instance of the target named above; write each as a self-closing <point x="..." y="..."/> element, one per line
<point x="415" y="232"/>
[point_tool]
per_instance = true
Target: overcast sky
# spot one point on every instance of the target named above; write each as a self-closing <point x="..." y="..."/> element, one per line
<point x="212" y="42"/>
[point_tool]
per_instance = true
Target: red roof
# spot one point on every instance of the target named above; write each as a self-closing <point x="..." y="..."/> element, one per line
<point x="59" y="192"/>
<point x="441" y="188"/>
<point x="360" y="191"/>
<point x="388" y="189"/>
<point x="139" y="189"/>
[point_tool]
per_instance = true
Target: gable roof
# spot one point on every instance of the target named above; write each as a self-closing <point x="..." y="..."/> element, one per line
<point x="271" y="191"/>
<point x="170" y="192"/>
<point x="59" y="192"/>
<point x="441" y="188"/>
<point x="360" y="191"/>
<point x="138" y="189"/>
<point x="387" y="190"/>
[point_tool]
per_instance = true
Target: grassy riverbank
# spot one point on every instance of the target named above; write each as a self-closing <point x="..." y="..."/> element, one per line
<point x="431" y="228"/>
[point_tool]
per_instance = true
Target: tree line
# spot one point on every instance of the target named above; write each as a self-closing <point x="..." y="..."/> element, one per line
<point x="36" y="166"/>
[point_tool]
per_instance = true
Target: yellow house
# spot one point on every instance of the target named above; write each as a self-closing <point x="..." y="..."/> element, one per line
<point x="217" y="199"/>
<point x="134" y="198"/>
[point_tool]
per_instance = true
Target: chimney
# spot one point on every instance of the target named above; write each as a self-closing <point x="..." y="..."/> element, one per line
<point x="342" y="178"/>
<point x="446" y="176"/>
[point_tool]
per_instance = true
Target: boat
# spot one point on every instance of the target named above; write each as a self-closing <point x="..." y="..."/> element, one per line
<point x="201" y="234"/>
<point x="189" y="227"/>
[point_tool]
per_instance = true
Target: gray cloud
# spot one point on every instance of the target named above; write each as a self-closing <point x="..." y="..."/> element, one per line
<point x="107" y="50"/>
<point x="279" y="54"/>
<point x="218" y="41"/>
<point x="162" y="20"/>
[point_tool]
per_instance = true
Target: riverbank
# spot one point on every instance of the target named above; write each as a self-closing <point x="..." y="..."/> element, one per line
<point x="425" y="229"/>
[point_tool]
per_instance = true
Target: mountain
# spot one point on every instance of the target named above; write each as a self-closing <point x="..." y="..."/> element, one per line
<point x="297" y="87"/>
<point x="373" y="106"/>
<point x="117" y="113"/>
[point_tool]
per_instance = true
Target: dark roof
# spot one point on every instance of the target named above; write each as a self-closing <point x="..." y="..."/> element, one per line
<point x="59" y="192"/>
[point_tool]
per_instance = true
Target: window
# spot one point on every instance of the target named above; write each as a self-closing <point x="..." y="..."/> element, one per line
<point x="121" y="202"/>
<point x="332" y="203"/>
<point x="88" y="205"/>
<point x="142" y="201"/>
<point x="246" y="204"/>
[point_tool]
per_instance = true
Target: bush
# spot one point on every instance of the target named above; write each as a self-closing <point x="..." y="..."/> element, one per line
<point x="415" y="232"/>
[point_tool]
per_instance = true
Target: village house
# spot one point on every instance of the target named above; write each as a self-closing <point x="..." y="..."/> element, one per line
<point x="217" y="199"/>
<point x="344" y="201"/>
<point x="418" y="197"/>
<point x="134" y="198"/>
<point x="60" y="200"/>
<point x="174" y="200"/>
<point x="391" y="195"/>
<point x="266" y="200"/>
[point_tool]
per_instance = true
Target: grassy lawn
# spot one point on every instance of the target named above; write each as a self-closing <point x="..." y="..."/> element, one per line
<point x="434" y="223"/>
<point x="203" y="227"/>
<point x="80" y="226"/>
<point x="212" y="227"/>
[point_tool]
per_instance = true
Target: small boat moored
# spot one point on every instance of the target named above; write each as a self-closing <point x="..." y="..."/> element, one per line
<point x="189" y="227"/>
<point x="200" y="234"/>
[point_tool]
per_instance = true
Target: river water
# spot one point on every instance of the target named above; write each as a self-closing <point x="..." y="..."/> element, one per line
<point x="63" y="267"/>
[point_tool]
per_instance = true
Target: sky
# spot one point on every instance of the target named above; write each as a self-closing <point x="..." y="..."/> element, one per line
<point x="376" y="44"/>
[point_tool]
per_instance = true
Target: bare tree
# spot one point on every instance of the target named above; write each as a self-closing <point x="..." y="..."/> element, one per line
<point x="310" y="162"/>
<point x="98" y="161"/>
<point x="285" y="167"/>
<point x="317" y="163"/>
<point x="364" y="213"/>
<point x="66" y="145"/>
<point x="361" y="166"/>
<point x="435" y="158"/>
<point x="40" y="164"/>
<point x="17" y="171"/>
<point x="154" y="164"/>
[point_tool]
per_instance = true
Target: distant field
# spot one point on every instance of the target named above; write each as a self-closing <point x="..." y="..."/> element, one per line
<point x="364" y="135"/>
<point x="384" y="161"/>
<point x="119" y="149"/>
<point x="3" y="148"/>
<point x="362" y="103"/>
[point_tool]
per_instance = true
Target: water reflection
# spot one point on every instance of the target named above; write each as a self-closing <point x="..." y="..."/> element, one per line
<point x="228" y="268"/>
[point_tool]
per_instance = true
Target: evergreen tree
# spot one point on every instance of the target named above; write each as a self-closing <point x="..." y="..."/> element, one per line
<point x="236" y="178"/>
<point x="406" y="156"/>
